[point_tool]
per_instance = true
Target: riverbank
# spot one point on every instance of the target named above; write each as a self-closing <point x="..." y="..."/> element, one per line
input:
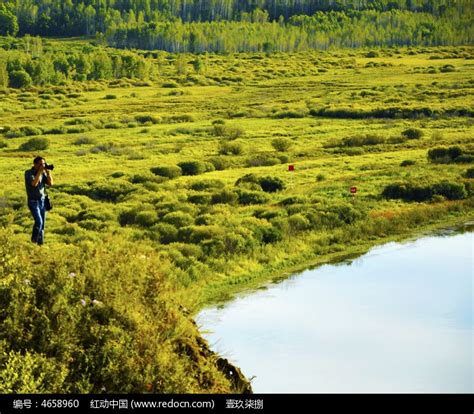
<point x="221" y="293"/>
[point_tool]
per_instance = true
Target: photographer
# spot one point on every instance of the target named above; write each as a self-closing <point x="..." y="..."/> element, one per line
<point x="36" y="179"/>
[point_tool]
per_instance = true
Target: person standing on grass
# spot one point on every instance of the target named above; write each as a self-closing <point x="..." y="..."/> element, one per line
<point x="36" y="179"/>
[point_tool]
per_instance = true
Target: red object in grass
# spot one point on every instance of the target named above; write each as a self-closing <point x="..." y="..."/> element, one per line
<point x="291" y="167"/>
<point x="353" y="190"/>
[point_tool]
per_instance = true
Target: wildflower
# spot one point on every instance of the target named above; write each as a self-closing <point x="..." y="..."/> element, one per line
<point x="96" y="302"/>
<point x="71" y="275"/>
<point x="83" y="302"/>
<point x="26" y="281"/>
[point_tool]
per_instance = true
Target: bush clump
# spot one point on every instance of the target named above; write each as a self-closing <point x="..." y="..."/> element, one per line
<point x="35" y="144"/>
<point x="260" y="160"/>
<point x="195" y="167"/>
<point x="202" y="199"/>
<point x="220" y="163"/>
<point x="443" y="155"/>
<point x="359" y="141"/>
<point x="271" y="184"/>
<point x="469" y="173"/>
<point x="207" y="185"/>
<point x="225" y="196"/>
<point x="178" y="219"/>
<point x="147" y="119"/>
<point x="170" y="171"/>
<point x="252" y="197"/>
<point x="412" y="133"/>
<point x="230" y="148"/>
<point x="282" y="144"/>
<point x="20" y="79"/>
<point x="229" y="132"/>
<point x="419" y="193"/>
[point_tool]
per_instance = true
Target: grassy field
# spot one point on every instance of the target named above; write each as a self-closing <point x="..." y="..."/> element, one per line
<point x="152" y="236"/>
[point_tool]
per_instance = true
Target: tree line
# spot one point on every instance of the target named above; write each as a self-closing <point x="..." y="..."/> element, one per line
<point x="320" y="31"/>
<point x="248" y="25"/>
<point x="86" y="17"/>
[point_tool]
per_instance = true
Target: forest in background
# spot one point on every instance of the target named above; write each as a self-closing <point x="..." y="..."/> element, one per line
<point x="227" y="26"/>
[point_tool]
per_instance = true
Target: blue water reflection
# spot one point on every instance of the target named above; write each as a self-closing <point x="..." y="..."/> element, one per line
<point x="398" y="319"/>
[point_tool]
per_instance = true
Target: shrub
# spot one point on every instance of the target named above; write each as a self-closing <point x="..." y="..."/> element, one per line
<point x="110" y="96"/>
<point x="443" y="155"/>
<point x="29" y="131"/>
<point x="220" y="163"/>
<point x="56" y="131"/>
<point x="447" y="68"/>
<point x="252" y="197"/>
<point x="166" y="233"/>
<point x="269" y="234"/>
<point x="262" y="160"/>
<point x="35" y="144"/>
<point x="289" y="114"/>
<point x="298" y="222"/>
<point x="198" y="234"/>
<point x="282" y="144"/>
<point x="170" y="84"/>
<point x="20" y="79"/>
<point x="84" y="141"/>
<point x="113" y="125"/>
<point x="222" y="130"/>
<point x="230" y="148"/>
<point x="406" y="163"/>
<point x="292" y="200"/>
<point x="175" y="119"/>
<point x="104" y="191"/>
<point x="247" y="179"/>
<point x="167" y="171"/>
<point x="3" y="144"/>
<point x="408" y="192"/>
<point x="372" y="54"/>
<point x="271" y="184"/>
<point x="419" y="193"/>
<point x="13" y="133"/>
<point x="146" y="218"/>
<point x="192" y="167"/>
<point x="346" y="213"/>
<point x="200" y="199"/>
<point x="225" y="197"/>
<point x="464" y="159"/>
<point x="31" y="372"/>
<point x="358" y="141"/>
<point x="452" y="191"/>
<point x="178" y="219"/>
<point x="469" y="173"/>
<point x="207" y="185"/>
<point x="145" y="119"/>
<point x="412" y="133"/>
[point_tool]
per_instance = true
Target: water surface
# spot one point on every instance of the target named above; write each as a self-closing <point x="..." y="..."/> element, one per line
<point x="398" y="319"/>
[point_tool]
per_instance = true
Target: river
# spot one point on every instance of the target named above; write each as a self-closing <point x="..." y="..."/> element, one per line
<point x="395" y="320"/>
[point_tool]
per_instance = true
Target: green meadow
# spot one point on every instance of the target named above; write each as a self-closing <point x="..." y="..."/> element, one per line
<point x="173" y="192"/>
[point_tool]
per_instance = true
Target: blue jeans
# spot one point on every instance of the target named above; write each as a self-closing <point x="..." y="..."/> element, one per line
<point x="39" y="214"/>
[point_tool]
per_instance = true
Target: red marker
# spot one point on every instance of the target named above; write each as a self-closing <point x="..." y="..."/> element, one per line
<point x="353" y="190"/>
<point x="291" y="167"/>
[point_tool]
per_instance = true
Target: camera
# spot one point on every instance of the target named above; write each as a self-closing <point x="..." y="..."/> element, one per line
<point x="49" y="167"/>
